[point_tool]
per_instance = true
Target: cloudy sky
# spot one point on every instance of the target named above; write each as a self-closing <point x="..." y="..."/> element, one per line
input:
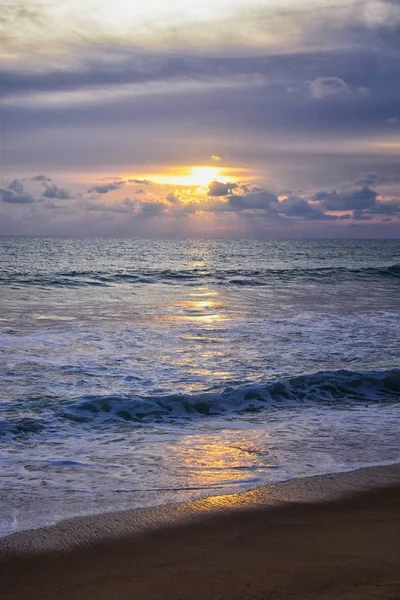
<point x="218" y="118"/>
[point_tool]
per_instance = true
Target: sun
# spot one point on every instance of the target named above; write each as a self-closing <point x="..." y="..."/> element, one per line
<point x="201" y="176"/>
<point x="196" y="176"/>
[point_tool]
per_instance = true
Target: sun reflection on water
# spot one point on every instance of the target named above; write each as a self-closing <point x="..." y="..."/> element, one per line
<point x="198" y="315"/>
<point x="199" y="305"/>
<point x="204" y="292"/>
<point x="209" y="461"/>
<point x="203" y="306"/>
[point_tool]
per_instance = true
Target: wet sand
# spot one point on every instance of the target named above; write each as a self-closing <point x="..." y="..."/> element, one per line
<point x="326" y="537"/>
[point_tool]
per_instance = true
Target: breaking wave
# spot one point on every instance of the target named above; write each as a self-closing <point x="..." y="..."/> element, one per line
<point x="332" y="388"/>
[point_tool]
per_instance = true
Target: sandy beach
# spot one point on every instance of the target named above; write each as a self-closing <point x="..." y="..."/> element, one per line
<point x="334" y="536"/>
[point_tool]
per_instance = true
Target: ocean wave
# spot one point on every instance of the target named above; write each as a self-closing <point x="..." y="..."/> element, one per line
<point x="330" y="388"/>
<point x="234" y="277"/>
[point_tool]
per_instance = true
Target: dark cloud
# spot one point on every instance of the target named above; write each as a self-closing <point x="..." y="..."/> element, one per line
<point x="41" y="178"/>
<point x="135" y="67"/>
<point x="384" y="208"/>
<point x="216" y="188"/>
<point x="105" y="188"/>
<point x="55" y="192"/>
<point x="293" y="206"/>
<point x="363" y="201"/>
<point x="15" y="193"/>
<point x="172" y="198"/>
<point x="253" y="200"/>
<point x="140" y="181"/>
<point x="347" y="200"/>
<point x="369" y="180"/>
<point x="246" y="187"/>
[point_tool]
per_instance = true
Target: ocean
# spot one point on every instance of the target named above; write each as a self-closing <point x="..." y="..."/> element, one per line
<point x="141" y="372"/>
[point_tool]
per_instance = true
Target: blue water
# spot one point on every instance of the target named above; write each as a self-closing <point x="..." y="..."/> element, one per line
<point x="138" y="372"/>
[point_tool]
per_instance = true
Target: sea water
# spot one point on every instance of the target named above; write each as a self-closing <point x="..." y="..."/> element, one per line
<point x="140" y="372"/>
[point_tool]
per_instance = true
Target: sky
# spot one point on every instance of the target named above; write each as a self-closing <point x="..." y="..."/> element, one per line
<point x="219" y="118"/>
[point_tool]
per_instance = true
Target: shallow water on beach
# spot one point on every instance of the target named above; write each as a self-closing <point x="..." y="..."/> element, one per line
<point x="138" y="372"/>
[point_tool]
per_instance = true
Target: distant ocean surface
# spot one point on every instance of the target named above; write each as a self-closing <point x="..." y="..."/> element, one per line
<point x="140" y="372"/>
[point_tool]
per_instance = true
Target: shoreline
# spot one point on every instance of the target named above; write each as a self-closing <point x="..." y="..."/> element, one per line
<point x="89" y="531"/>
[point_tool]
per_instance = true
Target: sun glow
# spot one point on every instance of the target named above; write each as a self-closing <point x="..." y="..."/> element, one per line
<point x="201" y="176"/>
<point x="192" y="176"/>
